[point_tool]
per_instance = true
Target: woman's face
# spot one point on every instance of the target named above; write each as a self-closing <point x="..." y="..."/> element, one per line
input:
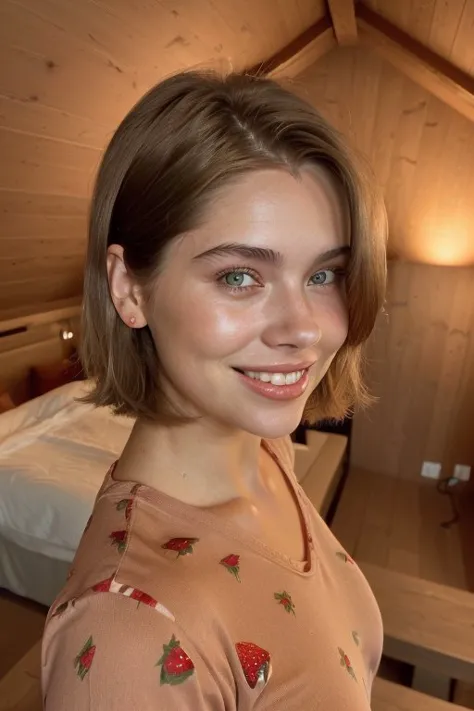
<point x="258" y="288"/>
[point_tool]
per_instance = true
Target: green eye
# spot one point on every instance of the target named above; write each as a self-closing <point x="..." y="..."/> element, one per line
<point x="234" y="278"/>
<point x="326" y="276"/>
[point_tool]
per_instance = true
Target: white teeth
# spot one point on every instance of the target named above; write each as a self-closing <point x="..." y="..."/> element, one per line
<point x="276" y="378"/>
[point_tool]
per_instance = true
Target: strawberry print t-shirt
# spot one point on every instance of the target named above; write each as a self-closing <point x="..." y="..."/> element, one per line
<point x="168" y="607"/>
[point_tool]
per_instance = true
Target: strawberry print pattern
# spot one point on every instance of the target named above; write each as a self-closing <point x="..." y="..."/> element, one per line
<point x="346" y="662"/>
<point x="119" y="539"/>
<point x="175" y="664"/>
<point x="84" y="659"/>
<point x="143" y="598"/>
<point x="182" y="546"/>
<point x="284" y="599"/>
<point x="127" y="504"/>
<point x="232" y="563"/>
<point x="343" y="556"/>
<point x="255" y="663"/>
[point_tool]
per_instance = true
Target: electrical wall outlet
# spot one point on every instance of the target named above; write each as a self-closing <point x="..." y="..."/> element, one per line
<point x="462" y="472"/>
<point x="431" y="470"/>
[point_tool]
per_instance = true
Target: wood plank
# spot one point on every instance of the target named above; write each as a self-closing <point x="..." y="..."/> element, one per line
<point x="49" y="266"/>
<point x="35" y="119"/>
<point x="425" y="624"/>
<point x="344" y="21"/>
<point x="22" y="202"/>
<point x="387" y="696"/>
<point x="299" y="54"/>
<point x="349" y="518"/>
<point x="15" y="294"/>
<point x="20" y="689"/>
<point x="431" y="71"/>
<point x="37" y="314"/>
<point x="324" y="474"/>
<point x="17" y="225"/>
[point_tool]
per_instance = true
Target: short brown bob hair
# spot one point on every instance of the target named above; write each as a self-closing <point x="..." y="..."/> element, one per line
<point x="189" y="136"/>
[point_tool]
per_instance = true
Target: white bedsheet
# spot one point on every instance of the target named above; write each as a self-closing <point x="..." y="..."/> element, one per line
<point x="54" y="454"/>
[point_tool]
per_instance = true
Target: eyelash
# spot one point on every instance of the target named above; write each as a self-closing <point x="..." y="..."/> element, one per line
<point x="338" y="272"/>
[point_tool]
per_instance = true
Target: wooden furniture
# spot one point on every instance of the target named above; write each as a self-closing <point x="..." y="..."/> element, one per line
<point x="427" y="625"/>
<point x="20" y="689"/>
<point x="387" y="696"/>
<point x="319" y="466"/>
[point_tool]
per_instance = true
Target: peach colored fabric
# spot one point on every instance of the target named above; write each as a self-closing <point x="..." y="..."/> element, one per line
<point x="169" y="608"/>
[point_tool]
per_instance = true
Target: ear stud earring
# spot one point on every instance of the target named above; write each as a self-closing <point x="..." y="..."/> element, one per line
<point x="132" y="320"/>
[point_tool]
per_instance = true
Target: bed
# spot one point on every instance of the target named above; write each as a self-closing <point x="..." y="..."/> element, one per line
<point x="54" y="454"/>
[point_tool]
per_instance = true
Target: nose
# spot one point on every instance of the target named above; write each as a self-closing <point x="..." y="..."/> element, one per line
<point x="293" y="324"/>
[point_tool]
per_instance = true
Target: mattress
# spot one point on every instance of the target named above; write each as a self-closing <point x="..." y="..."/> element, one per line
<point x="54" y="454"/>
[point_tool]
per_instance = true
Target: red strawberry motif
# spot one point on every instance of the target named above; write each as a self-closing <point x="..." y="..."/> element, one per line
<point x="343" y="556"/>
<point x="84" y="659"/>
<point x="125" y="504"/>
<point x="255" y="662"/>
<point x="183" y="546"/>
<point x="232" y="563"/>
<point x="119" y="539"/>
<point x="103" y="586"/>
<point x="284" y="599"/>
<point x="346" y="662"/>
<point x="175" y="664"/>
<point x="143" y="598"/>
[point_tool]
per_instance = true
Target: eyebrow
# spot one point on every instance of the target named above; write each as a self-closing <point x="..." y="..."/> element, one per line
<point x="262" y="254"/>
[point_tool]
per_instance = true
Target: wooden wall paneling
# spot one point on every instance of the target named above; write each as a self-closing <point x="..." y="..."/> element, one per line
<point x="41" y="289"/>
<point x="18" y="225"/>
<point x="430" y="312"/>
<point x="44" y="165"/>
<point x="404" y="158"/>
<point x="420" y="225"/>
<point x="46" y="265"/>
<point x="366" y="92"/>
<point x="337" y="104"/>
<point x="444" y="27"/>
<point x="420" y="63"/>
<point x="22" y="202"/>
<point x="35" y="119"/>
<point x="387" y="117"/>
<point x="426" y="383"/>
<point x="462" y="51"/>
<point x="36" y="247"/>
<point x="455" y="397"/>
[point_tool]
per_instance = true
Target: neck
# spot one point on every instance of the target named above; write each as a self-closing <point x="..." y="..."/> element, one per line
<point x="200" y="464"/>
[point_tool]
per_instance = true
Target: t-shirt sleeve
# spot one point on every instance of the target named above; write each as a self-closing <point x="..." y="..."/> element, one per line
<point x="109" y="651"/>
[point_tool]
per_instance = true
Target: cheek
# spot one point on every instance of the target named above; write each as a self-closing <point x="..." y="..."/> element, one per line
<point x="201" y="327"/>
<point x="334" y="323"/>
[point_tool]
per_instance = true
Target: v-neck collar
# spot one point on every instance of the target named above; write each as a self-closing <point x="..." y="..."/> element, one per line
<point x="175" y="508"/>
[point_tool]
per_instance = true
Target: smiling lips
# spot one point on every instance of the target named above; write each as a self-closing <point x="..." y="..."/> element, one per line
<point x="286" y="383"/>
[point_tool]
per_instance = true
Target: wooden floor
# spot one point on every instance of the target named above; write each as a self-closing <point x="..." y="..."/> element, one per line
<point x="396" y="524"/>
<point x="21" y="625"/>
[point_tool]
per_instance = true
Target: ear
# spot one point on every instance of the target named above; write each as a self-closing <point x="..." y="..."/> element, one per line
<point x="126" y="293"/>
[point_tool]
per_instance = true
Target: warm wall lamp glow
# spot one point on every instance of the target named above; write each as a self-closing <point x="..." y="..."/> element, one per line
<point x="66" y="335"/>
<point x="450" y="245"/>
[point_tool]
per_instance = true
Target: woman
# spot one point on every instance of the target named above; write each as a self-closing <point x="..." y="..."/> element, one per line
<point x="235" y="267"/>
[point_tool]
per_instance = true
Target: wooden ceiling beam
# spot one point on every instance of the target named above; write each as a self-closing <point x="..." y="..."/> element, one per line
<point x="423" y="66"/>
<point x="300" y="54"/>
<point x="344" y="21"/>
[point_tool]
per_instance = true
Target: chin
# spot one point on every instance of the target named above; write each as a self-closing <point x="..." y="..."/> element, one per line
<point x="279" y="424"/>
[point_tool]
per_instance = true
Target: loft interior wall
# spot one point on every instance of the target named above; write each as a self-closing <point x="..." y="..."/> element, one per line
<point x="69" y="72"/>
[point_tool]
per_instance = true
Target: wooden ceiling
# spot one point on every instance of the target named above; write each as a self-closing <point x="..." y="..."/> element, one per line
<point x="70" y="70"/>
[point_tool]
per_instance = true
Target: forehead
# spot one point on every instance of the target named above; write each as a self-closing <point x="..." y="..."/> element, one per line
<point x="272" y="208"/>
